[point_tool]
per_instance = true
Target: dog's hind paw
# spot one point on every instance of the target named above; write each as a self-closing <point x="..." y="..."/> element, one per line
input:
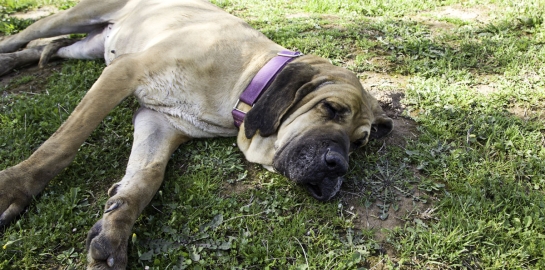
<point x="8" y="62"/>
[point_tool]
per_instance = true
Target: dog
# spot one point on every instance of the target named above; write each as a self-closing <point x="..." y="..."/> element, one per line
<point x="198" y="72"/>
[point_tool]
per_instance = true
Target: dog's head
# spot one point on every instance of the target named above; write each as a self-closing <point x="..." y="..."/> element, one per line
<point x="308" y="121"/>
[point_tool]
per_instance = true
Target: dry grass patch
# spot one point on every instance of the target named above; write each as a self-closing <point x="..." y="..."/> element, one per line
<point x="36" y="13"/>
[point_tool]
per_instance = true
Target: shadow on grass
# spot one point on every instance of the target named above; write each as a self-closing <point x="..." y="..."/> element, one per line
<point x="410" y="47"/>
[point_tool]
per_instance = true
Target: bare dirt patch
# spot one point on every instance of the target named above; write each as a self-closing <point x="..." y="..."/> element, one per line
<point x="487" y="84"/>
<point x="36" y="14"/>
<point x="298" y="15"/>
<point x="404" y="127"/>
<point x="527" y="113"/>
<point x="438" y="20"/>
<point x="481" y="13"/>
<point x="369" y="218"/>
<point x="406" y="207"/>
<point x="375" y="82"/>
<point x="37" y="78"/>
<point x="325" y="17"/>
<point x="435" y="25"/>
<point x="484" y="89"/>
<point x="235" y="187"/>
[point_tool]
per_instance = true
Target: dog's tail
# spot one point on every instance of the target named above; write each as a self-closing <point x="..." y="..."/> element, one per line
<point x="51" y="49"/>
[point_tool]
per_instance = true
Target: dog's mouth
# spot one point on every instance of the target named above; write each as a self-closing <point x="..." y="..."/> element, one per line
<point x="324" y="192"/>
<point x="314" y="190"/>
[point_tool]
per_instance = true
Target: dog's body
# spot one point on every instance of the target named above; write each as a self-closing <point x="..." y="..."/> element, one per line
<point x="187" y="62"/>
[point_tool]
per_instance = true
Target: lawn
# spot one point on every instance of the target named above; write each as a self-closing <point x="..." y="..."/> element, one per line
<point x="459" y="184"/>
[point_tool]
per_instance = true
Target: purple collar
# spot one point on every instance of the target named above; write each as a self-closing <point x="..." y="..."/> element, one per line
<point x="261" y="81"/>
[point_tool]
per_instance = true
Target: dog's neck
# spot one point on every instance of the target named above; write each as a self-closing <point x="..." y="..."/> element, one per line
<point x="260" y="82"/>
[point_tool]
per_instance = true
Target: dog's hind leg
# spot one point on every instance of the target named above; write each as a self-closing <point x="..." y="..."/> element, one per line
<point x="87" y="16"/>
<point x="10" y="61"/>
<point x="154" y="142"/>
<point x="18" y="184"/>
<point x="91" y="47"/>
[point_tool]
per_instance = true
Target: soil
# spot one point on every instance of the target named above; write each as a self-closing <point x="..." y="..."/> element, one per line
<point x="36" y="14"/>
<point x="230" y="188"/>
<point x="435" y="19"/>
<point x="36" y="85"/>
<point x="389" y="91"/>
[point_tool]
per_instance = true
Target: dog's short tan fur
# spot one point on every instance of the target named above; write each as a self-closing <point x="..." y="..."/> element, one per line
<point x="187" y="62"/>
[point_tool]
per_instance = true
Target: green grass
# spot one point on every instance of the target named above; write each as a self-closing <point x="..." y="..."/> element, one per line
<point x="476" y="90"/>
<point x="10" y="25"/>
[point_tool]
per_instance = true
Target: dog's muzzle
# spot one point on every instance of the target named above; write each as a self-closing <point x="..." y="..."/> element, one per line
<point x="318" y="165"/>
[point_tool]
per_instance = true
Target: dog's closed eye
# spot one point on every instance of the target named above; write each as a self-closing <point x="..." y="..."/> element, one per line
<point x="334" y="111"/>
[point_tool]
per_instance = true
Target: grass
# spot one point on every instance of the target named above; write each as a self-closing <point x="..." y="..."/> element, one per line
<point x="10" y="25"/>
<point x="475" y="172"/>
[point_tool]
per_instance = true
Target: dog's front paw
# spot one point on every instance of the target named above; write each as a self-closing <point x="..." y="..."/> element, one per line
<point x="106" y="247"/>
<point x="13" y="197"/>
<point x="108" y="239"/>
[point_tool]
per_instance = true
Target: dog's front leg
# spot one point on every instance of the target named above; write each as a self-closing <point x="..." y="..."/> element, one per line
<point x="27" y="179"/>
<point x="154" y="142"/>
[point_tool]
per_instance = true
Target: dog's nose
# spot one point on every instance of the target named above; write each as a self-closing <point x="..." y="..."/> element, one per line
<point x="335" y="161"/>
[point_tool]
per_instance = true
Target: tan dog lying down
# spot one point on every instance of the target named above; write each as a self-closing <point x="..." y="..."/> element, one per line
<point x="188" y="62"/>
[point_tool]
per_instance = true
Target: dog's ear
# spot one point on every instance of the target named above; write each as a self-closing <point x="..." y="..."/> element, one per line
<point x="292" y="84"/>
<point x="382" y="125"/>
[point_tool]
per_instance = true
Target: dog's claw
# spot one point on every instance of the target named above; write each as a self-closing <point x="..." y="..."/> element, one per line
<point x="110" y="261"/>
